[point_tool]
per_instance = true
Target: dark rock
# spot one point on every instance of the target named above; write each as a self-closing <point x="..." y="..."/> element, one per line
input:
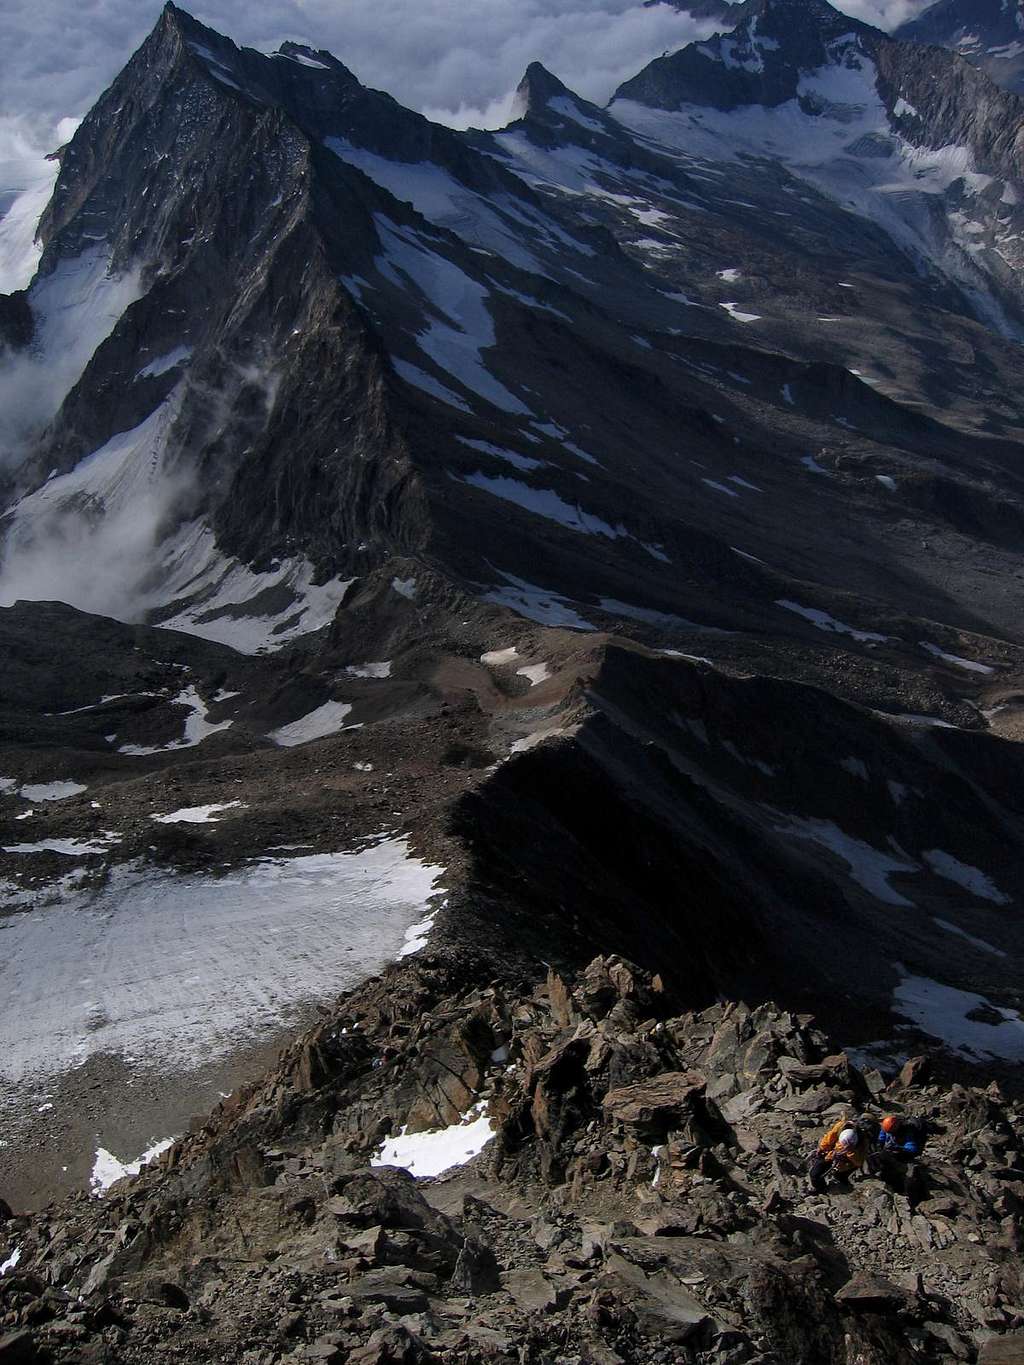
<point x="20" y="1348"/>
<point x="476" y="1269"/>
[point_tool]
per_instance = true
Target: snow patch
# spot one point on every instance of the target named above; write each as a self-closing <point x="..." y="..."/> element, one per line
<point x="970" y="878"/>
<point x="962" y="933"/>
<point x="970" y="665"/>
<point x="325" y="720"/>
<point x="51" y="791"/>
<point x="494" y="658"/>
<point x="238" y="954"/>
<point x="536" y="673"/>
<point x="942" y="1012"/>
<point x="197" y="727"/>
<point x="869" y="867"/>
<point x="163" y="363"/>
<point x="107" y="1170"/>
<point x="536" y="604"/>
<point x="371" y="670"/>
<point x="195" y="815"/>
<point x="432" y="1153"/>
<point x="824" y="621"/>
<point x="70" y="848"/>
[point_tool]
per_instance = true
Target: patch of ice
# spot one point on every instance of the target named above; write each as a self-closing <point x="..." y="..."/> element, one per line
<point x="405" y="587"/>
<point x="536" y="673"/>
<point x="970" y="665"/>
<point x="195" y="815"/>
<point x="942" y="1012"/>
<point x="962" y="933"/>
<point x="11" y="1261"/>
<point x="869" y="867"/>
<point x="970" y="878"/>
<point x="652" y="617"/>
<point x="787" y="395"/>
<point x="8" y="785"/>
<point x="824" y="621"/>
<point x="107" y="1170"/>
<point x="730" y="276"/>
<point x="303" y="60"/>
<point x="432" y="1153"/>
<point x="721" y="488"/>
<point x="887" y="481"/>
<point x="325" y="720"/>
<point x="51" y="791"/>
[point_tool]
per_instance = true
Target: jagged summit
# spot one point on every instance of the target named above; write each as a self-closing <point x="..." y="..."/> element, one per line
<point x="988" y="33"/>
<point x="537" y="88"/>
<point x="542" y="97"/>
<point x="760" y="62"/>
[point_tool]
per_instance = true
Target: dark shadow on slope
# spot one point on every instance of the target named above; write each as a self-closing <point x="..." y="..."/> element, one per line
<point x="756" y="838"/>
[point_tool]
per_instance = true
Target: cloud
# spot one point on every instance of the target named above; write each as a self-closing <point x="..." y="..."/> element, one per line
<point x="56" y="56"/>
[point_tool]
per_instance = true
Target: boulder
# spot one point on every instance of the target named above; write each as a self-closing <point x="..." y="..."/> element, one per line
<point x="865" y="1292"/>
<point x="1003" y="1350"/>
<point x="657" y="1105"/>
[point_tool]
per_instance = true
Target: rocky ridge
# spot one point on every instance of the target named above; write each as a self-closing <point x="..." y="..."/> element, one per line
<point x="643" y="1198"/>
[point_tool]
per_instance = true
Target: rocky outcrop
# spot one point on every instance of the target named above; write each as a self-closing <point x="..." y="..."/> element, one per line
<point x="643" y="1199"/>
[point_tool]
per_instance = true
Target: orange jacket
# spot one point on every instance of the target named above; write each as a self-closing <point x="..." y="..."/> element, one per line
<point x="828" y="1145"/>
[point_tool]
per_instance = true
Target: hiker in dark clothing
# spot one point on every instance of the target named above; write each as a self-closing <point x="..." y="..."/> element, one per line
<point x="899" y="1142"/>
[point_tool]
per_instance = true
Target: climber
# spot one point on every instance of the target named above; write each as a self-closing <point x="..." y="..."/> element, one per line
<point x="898" y="1143"/>
<point x="840" y="1152"/>
<point x="902" y="1137"/>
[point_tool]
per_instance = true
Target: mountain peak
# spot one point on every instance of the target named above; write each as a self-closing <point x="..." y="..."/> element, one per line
<point x="759" y="62"/>
<point x="536" y="89"/>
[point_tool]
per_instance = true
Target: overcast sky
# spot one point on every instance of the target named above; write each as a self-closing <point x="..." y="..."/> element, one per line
<point x="453" y="59"/>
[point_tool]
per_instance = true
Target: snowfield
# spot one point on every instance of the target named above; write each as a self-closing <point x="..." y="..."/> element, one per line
<point x="177" y="970"/>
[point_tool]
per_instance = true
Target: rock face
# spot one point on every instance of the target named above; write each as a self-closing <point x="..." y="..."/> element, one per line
<point x="266" y="1237"/>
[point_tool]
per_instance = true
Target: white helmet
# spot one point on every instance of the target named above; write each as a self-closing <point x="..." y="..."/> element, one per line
<point x="849" y="1137"/>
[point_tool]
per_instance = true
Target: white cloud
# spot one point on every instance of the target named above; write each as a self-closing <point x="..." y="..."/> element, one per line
<point x="57" y="55"/>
